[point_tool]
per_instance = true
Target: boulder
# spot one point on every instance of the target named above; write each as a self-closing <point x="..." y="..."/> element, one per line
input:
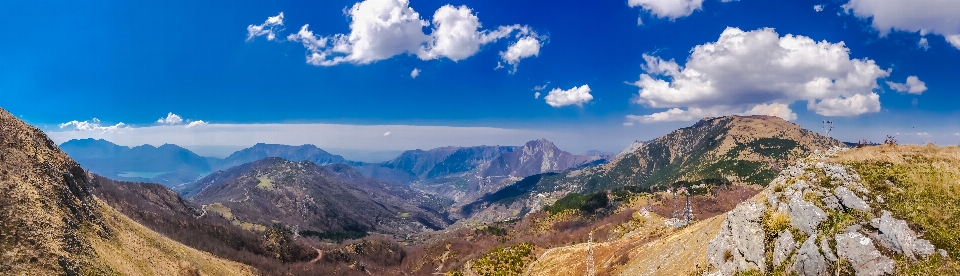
<point x="862" y="255"/>
<point x="827" y="252"/>
<point x="809" y="261"/>
<point x="804" y="215"/>
<point x="895" y="235"/>
<point x="783" y="247"/>
<point x="850" y="200"/>
<point x="831" y="201"/>
<point x="739" y="244"/>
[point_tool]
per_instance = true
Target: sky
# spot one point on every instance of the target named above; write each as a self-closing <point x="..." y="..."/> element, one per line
<point x="371" y="78"/>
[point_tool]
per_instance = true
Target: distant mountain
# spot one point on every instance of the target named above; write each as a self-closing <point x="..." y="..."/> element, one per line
<point x="464" y="173"/>
<point x="730" y="149"/>
<point x="51" y="223"/>
<point x="329" y="201"/>
<point x="170" y="165"/>
<point x="293" y="153"/>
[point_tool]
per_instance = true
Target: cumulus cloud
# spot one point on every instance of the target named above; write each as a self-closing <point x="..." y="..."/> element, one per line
<point x="773" y="109"/>
<point x="536" y="95"/>
<point x="196" y="123"/>
<point x="415" y="73"/>
<point x="923" y="16"/>
<point x="269" y="28"/>
<point x="381" y="29"/>
<point x="386" y="134"/>
<point x="90" y="125"/>
<point x="913" y="86"/>
<point x="923" y="43"/>
<point x="671" y="9"/>
<point x="759" y="71"/>
<point x="818" y="8"/>
<point x="525" y="47"/>
<point x="573" y="96"/>
<point x="171" y="119"/>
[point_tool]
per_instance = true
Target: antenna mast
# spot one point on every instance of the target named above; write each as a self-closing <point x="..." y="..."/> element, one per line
<point x="591" y="270"/>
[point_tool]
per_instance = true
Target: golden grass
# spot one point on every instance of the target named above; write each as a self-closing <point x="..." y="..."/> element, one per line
<point x="918" y="183"/>
<point x="136" y="250"/>
<point x="265" y="183"/>
<point x="218" y="208"/>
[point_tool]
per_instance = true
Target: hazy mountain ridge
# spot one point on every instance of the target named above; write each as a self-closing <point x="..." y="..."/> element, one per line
<point x="259" y="151"/>
<point x="168" y="164"/>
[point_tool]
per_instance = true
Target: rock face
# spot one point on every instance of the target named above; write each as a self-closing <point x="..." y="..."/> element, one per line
<point x="850" y="200"/>
<point x="896" y="235"/>
<point x="863" y="255"/>
<point x="811" y="193"/>
<point x="783" y="247"/>
<point x="809" y="261"/>
<point x="739" y="245"/>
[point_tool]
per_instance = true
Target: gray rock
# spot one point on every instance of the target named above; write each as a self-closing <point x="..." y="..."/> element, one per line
<point x="827" y="252"/>
<point x="804" y="215"/>
<point x="850" y="200"/>
<point x="742" y="236"/>
<point x="897" y="236"/>
<point x="831" y="201"/>
<point x="809" y="261"/>
<point x="783" y="247"/>
<point x="943" y="253"/>
<point x="863" y="255"/>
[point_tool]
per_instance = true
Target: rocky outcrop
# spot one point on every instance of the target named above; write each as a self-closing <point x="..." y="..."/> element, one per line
<point x="783" y="247"/>
<point x="809" y="261"/>
<point x="895" y="235"/>
<point x="812" y="193"/>
<point x="850" y="200"/>
<point x="863" y="255"/>
<point x="739" y="245"/>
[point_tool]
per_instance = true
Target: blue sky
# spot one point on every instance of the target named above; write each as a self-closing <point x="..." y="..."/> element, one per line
<point x="136" y="61"/>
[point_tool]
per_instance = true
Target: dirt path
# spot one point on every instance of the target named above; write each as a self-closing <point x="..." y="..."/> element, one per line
<point x="319" y="255"/>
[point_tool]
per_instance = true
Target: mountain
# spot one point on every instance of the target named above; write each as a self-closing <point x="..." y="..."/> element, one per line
<point x="330" y="201"/>
<point x="464" y="173"/>
<point x="51" y="224"/>
<point x="164" y="211"/>
<point x="865" y="211"/>
<point x="720" y="150"/>
<point x="293" y="153"/>
<point x="169" y="164"/>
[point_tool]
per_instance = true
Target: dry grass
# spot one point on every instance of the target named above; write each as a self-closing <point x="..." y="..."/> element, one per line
<point x="920" y="184"/>
<point x="136" y="250"/>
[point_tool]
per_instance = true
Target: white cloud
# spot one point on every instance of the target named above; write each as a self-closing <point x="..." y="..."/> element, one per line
<point x="923" y="134"/>
<point x="269" y="28"/>
<point x="92" y="125"/>
<point x="676" y="114"/>
<point x="415" y="73"/>
<point x="847" y="106"/>
<point x="913" y="86"/>
<point x="954" y="40"/>
<point x="536" y="95"/>
<point x="541" y="87"/>
<point x="923" y="44"/>
<point x="386" y="134"/>
<point x="574" y="96"/>
<point x="818" y="8"/>
<point x="773" y="109"/>
<point x="923" y="16"/>
<point x="171" y="119"/>
<point x="196" y="123"/>
<point x="744" y="71"/>
<point x="528" y="46"/>
<point x="381" y="29"/>
<point x="671" y="9"/>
